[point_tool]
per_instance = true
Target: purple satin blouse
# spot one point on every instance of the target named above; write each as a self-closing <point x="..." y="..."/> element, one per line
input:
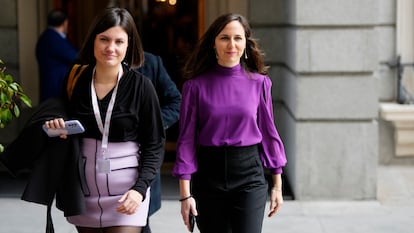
<point x="227" y="107"/>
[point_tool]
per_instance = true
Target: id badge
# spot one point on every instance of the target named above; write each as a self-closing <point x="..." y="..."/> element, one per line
<point x="104" y="166"/>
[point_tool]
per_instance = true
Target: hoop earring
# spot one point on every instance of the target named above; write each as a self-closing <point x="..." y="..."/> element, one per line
<point x="245" y="54"/>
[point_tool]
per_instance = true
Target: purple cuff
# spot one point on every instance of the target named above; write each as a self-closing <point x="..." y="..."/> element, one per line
<point x="184" y="177"/>
<point x="278" y="170"/>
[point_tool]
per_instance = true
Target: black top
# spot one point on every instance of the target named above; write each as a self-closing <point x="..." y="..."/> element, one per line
<point x="136" y="117"/>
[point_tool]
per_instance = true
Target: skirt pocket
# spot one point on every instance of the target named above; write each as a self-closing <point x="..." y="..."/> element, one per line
<point x="123" y="175"/>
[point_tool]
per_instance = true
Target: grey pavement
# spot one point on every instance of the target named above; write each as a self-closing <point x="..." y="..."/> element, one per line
<point x="392" y="212"/>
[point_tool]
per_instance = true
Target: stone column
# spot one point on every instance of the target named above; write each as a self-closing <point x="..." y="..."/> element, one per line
<point x="323" y="56"/>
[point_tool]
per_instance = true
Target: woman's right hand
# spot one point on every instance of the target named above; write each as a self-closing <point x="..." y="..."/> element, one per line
<point x="188" y="206"/>
<point x="57" y="123"/>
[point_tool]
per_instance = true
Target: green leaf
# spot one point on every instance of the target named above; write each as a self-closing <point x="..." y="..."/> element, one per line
<point x="26" y="100"/>
<point x="8" y="78"/>
<point x="3" y="83"/>
<point x="3" y="97"/>
<point x="16" y="110"/>
<point x="10" y="91"/>
<point x="6" y="116"/>
<point x="20" y="88"/>
<point x="14" y="86"/>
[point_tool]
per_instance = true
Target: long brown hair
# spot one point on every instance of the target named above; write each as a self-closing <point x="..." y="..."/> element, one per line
<point x="204" y="57"/>
<point x="108" y="18"/>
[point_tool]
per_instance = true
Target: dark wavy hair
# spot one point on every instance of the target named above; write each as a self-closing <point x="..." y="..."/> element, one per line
<point x="204" y="56"/>
<point x="108" y="18"/>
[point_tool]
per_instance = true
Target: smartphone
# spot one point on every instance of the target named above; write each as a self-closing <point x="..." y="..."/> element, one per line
<point x="191" y="218"/>
<point x="71" y="127"/>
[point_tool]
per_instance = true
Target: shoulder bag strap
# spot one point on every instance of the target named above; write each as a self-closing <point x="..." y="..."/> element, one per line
<point x="74" y="75"/>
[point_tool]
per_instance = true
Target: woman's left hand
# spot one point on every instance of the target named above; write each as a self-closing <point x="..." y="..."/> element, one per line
<point x="57" y="123"/>
<point x="276" y="201"/>
<point x="129" y="202"/>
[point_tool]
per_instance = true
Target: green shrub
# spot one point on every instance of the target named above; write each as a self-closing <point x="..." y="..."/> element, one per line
<point x="11" y="97"/>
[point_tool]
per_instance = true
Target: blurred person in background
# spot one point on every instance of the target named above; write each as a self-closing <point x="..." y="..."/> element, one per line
<point x="54" y="54"/>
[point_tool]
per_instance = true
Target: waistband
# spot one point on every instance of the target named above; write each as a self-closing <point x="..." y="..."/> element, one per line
<point x="228" y="149"/>
<point x="114" y="150"/>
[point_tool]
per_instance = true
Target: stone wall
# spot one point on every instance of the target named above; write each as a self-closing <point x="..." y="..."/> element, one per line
<point x="324" y="56"/>
<point x="8" y="35"/>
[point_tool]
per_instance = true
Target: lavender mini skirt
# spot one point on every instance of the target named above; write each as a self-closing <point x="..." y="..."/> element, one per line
<point x="103" y="190"/>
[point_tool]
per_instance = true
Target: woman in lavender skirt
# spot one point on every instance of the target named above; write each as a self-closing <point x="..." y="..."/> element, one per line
<point x="123" y="142"/>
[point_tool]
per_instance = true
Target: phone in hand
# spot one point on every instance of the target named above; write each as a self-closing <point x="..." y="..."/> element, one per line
<point x="71" y="127"/>
<point x="191" y="219"/>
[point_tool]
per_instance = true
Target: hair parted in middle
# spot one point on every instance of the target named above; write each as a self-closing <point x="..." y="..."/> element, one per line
<point x="111" y="17"/>
<point x="204" y="56"/>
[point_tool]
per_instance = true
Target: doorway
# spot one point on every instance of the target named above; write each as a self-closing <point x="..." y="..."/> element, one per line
<point x="168" y="28"/>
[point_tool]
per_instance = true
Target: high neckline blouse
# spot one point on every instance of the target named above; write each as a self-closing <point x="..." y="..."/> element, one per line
<point x="227" y="106"/>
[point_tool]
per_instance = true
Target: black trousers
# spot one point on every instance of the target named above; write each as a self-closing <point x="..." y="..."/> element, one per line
<point x="230" y="190"/>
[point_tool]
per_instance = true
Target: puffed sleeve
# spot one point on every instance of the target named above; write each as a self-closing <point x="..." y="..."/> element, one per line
<point x="186" y="162"/>
<point x="273" y="152"/>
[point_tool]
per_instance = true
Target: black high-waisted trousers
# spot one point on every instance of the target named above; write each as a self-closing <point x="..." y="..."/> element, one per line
<point x="230" y="190"/>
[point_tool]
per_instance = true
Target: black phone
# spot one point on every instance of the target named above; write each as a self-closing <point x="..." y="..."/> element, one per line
<point x="191" y="218"/>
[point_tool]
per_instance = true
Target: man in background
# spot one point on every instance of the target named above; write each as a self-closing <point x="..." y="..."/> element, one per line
<point x="54" y="54"/>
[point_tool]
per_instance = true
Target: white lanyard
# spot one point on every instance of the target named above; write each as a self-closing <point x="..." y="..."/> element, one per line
<point x="104" y="128"/>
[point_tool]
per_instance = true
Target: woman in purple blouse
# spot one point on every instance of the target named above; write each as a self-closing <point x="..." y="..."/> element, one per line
<point x="227" y="134"/>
